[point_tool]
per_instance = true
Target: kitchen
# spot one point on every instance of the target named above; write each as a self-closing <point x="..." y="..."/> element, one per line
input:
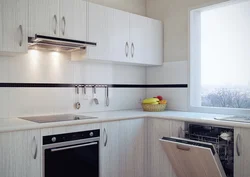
<point x="73" y="75"/>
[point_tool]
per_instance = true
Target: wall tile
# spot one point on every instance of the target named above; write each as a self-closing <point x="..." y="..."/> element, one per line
<point x="177" y="97"/>
<point x="169" y="73"/>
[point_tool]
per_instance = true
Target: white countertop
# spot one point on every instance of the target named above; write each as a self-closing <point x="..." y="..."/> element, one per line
<point x="16" y="124"/>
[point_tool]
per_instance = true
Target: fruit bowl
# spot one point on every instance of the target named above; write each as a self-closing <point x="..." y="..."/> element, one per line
<point x="154" y="107"/>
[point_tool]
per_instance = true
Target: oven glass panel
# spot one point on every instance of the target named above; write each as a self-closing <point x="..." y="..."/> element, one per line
<point x="72" y="162"/>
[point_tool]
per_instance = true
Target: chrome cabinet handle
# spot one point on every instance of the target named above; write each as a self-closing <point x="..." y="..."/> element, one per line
<point x="55" y="18"/>
<point x="72" y="147"/>
<point x="64" y="25"/>
<point x="21" y="35"/>
<point x="35" y="153"/>
<point x="106" y="137"/>
<point x="237" y="144"/>
<point x="126" y="49"/>
<point x="180" y="132"/>
<point x="132" y="50"/>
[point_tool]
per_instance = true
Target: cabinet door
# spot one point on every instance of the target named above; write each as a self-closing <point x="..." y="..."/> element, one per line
<point x="20" y="154"/>
<point x="138" y="38"/>
<point x="158" y="163"/>
<point x="120" y="36"/>
<point x="43" y="17"/>
<point x="14" y="19"/>
<point x="241" y="153"/>
<point x="109" y="156"/>
<point x="99" y="19"/>
<point x="132" y="148"/>
<point x="154" y="42"/>
<point x="73" y="19"/>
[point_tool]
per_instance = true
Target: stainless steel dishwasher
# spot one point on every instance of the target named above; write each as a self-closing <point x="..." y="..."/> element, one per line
<point x="72" y="154"/>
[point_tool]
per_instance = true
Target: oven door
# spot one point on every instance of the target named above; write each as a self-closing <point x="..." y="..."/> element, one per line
<point x="192" y="158"/>
<point x="75" y="160"/>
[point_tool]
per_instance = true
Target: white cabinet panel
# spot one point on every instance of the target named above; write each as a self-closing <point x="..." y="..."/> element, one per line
<point x="109" y="156"/>
<point x="120" y="36"/>
<point x="154" y="42"/>
<point x="241" y="153"/>
<point x="17" y="152"/>
<point x="138" y="38"/>
<point x="14" y="19"/>
<point x="124" y="153"/>
<point x="73" y="19"/>
<point x="99" y="21"/>
<point x="158" y="163"/>
<point x="132" y="148"/>
<point x="44" y="17"/>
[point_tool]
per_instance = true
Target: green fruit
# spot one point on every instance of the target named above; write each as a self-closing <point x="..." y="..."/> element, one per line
<point x="150" y="100"/>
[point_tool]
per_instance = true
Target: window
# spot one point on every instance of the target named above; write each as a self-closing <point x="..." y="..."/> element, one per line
<point x="220" y="57"/>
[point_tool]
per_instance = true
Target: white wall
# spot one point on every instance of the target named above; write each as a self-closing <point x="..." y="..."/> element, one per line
<point x="52" y="67"/>
<point x="133" y="6"/>
<point x="170" y="73"/>
<point x="174" y="14"/>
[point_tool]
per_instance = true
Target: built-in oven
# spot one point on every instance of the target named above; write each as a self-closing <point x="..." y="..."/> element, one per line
<point x="71" y="155"/>
<point x="204" y="151"/>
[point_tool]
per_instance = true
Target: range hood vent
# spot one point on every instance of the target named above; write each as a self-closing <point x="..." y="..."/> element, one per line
<point x="57" y="44"/>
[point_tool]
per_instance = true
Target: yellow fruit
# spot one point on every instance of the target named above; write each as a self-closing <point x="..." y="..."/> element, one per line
<point x="155" y="103"/>
<point x="150" y="100"/>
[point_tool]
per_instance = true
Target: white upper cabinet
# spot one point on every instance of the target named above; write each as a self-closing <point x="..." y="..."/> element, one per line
<point x="99" y="22"/>
<point x="14" y="23"/>
<point x="155" y="38"/>
<point x="120" y="36"/>
<point x="73" y="19"/>
<point x="138" y="38"/>
<point x="44" y="17"/>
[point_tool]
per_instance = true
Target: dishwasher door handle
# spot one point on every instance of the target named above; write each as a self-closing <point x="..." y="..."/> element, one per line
<point x="72" y="147"/>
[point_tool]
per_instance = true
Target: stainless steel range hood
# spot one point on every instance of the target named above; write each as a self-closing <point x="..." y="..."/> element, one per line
<point x="57" y="44"/>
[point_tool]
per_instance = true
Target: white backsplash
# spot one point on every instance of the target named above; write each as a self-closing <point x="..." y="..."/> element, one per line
<point x="53" y="67"/>
<point x="170" y="73"/>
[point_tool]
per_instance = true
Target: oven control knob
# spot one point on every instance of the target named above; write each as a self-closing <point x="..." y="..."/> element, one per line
<point x="53" y="139"/>
<point x="91" y="134"/>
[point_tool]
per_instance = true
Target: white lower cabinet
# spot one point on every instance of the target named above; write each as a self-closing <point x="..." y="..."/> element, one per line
<point x="123" y="148"/>
<point x="241" y="152"/>
<point x="158" y="163"/>
<point x="20" y="154"/>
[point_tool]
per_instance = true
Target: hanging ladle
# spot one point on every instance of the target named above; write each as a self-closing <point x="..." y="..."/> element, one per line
<point x="94" y="96"/>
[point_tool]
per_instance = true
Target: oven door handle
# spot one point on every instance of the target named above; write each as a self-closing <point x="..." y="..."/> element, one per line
<point x="72" y="147"/>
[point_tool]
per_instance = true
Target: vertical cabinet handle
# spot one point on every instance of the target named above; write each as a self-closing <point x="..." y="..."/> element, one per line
<point x="126" y="49"/>
<point x="64" y="25"/>
<point x="35" y="153"/>
<point x="132" y="50"/>
<point x="106" y="137"/>
<point x="21" y="35"/>
<point x="180" y="132"/>
<point x="55" y="18"/>
<point x="238" y="139"/>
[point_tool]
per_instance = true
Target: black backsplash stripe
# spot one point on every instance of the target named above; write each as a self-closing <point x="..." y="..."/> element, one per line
<point x="56" y="85"/>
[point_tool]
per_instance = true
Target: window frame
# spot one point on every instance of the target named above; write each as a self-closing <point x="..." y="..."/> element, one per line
<point x="194" y="76"/>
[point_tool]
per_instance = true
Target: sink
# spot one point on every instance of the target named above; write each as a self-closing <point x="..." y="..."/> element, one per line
<point x="245" y="119"/>
<point x="56" y="118"/>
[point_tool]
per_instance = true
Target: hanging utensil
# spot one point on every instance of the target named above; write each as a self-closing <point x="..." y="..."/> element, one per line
<point x="85" y="96"/>
<point x="107" y="96"/>
<point x="77" y="104"/>
<point x="94" y="96"/>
